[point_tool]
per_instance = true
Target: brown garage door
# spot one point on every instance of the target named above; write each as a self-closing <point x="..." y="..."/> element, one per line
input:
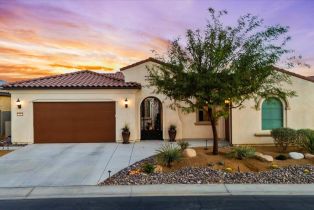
<point x="77" y="122"/>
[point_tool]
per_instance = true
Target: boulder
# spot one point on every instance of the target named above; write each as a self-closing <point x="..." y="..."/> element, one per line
<point x="158" y="169"/>
<point x="257" y="154"/>
<point x="296" y="155"/>
<point x="189" y="153"/>
<point x="309" y="156"/>
<point x="228" y="170"/>
<point x="262" y="157"/>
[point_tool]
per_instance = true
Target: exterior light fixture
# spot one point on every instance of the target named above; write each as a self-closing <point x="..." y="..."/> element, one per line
<point x="227" y="101"/>
<point x="126" y="103"/>
<point x="19" y="104"/>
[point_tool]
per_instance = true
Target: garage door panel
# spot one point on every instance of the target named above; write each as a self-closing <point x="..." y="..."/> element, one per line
<point x="77" y="122"/>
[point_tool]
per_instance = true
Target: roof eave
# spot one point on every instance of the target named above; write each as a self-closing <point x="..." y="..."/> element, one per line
<point x="5" y="94"/>
<point x="67" y="88"/>
<point x="293" y="74"/>
<point x="150" y="59"/>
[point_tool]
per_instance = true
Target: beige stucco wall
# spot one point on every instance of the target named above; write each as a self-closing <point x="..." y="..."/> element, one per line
<point x="22" y="126"/>
<point x="186" y="128"/>
<point x="298" y="113"/>
<point x="246" y="122"/>
<point x="5" y="103"/>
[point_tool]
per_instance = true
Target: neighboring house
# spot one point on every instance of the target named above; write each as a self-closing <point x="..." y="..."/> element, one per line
<point x="87" y="107"/>
<point x="5" y="111"/>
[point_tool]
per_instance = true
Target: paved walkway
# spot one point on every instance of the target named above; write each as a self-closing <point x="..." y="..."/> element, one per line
<point x="156" y="190"/>
<point x="71" y="164"/>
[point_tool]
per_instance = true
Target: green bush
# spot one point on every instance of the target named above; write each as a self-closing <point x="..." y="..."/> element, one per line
<point x="167" y="154"/>
<point x="148" y="168"/>
<point x="306" y="132"/>
<point x="183" y="145"/>
<point x="284" y="137"/>
<point x="306" y="139"/>
<point x="242" y="152"/>
<point x="281" y="157"/>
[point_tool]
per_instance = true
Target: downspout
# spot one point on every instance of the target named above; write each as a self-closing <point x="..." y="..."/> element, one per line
<point x="230" y="125"/>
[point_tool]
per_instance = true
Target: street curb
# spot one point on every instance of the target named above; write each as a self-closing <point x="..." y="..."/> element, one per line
<point x="155" y="190"/>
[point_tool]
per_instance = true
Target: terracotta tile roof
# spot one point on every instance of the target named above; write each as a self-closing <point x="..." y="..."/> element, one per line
<point x="76" y="80"/>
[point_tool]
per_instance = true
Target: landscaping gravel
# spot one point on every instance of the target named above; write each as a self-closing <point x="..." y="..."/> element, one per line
<point x="206" y="175"/>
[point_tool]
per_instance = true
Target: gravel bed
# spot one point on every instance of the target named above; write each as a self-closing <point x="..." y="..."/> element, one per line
<point x="207" y="175"/>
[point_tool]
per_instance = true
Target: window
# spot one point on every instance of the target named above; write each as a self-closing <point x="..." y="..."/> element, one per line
<point x="203" y="116"/>
<point x="272" y="114"/>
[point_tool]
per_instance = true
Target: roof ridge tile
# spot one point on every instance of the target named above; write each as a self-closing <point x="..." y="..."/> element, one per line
<point x="78" y="79"/>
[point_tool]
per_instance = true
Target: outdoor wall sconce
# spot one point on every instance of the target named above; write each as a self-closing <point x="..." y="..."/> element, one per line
<point x="126" y="103"/>
<point x="227" y="101"/>
<point x="19" y="104"/>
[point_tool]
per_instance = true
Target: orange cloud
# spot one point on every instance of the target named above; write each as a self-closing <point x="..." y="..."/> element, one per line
<point x="82" y="67"/>
<point x="23" y="69"/>
<point x="20" y="72"/>
<point x="19" y="53"/>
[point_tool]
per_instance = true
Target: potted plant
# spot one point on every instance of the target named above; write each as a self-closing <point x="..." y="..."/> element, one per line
<point x="126" y="134"/>
<point x="172" y="133"/>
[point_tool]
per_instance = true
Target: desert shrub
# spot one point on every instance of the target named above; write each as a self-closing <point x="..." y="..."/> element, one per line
<point x="242" y="152"/>
<point x="274" y="166"/>
<point x="306" y="139"/>
<point x="306" y="132"/>
<point x="183" y="145"/>
<point x="148" y="168"/>
<point x="167" y="154"/>
<point x="284" y="137"/>
<point x="281" y="157"/>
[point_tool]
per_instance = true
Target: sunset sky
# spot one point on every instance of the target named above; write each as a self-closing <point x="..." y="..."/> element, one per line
<point x="44" y="37"/>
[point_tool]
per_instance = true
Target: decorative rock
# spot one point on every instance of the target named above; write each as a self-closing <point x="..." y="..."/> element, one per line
<point x="221" y="163"/>
<point x="210" y="164"/>
<point x="297" y="174"/>
<point x="306" y="171"/>
<point x="266" y="158"/>
<point x="158" y="169"/>
<point x="274" y="166"/>
<point x="296" y="155"/>
<point x="189" y="153"/>
<point x="309" y="156"/>
<point x="228" y="170"/>
<point x="257" y="154"/>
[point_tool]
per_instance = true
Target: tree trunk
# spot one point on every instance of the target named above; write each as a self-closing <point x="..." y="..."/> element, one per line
<point x="214" y="129"/>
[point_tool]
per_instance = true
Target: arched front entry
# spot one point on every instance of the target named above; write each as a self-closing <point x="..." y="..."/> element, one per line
<point x="151" y="119"/>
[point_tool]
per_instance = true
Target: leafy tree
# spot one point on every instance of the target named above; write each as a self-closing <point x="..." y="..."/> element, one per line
<point x="222" y="64"/>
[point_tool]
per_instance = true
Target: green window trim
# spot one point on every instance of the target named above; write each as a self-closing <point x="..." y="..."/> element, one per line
<point x="272" y="114"/>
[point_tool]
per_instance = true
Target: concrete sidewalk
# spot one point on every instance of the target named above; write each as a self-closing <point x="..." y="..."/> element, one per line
<point x="155" y="190"/>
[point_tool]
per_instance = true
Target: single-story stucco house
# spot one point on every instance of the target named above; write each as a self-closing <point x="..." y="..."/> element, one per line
<point x="88" y="107"/>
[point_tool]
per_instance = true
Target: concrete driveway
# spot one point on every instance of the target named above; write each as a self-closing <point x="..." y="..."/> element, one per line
<point x="69" y="164"/>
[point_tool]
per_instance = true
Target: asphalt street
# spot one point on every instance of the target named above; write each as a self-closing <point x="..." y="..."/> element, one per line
<point x="161" y="203"/>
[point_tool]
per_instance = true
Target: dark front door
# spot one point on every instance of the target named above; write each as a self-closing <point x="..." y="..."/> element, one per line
<point x="151" y="119"/>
